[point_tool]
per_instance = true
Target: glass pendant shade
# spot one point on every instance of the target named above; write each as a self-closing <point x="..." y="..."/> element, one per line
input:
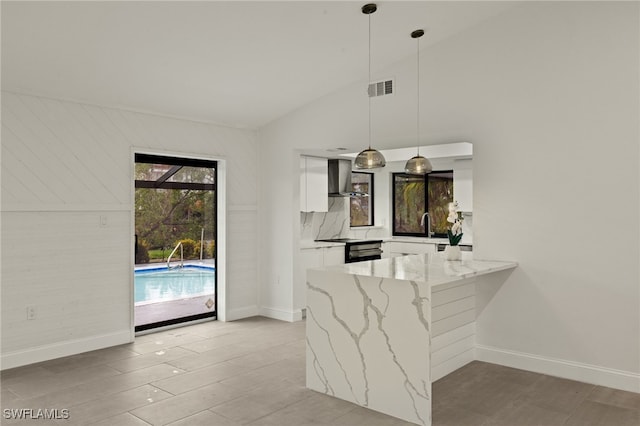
<point x="418" y="165"/>
<point x="370" y="159"/>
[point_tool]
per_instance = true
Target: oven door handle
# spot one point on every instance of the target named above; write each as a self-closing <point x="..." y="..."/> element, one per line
<point x="364" y="253"/>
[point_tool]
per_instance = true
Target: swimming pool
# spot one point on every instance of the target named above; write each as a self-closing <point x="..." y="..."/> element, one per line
<point x="163" y="284"/>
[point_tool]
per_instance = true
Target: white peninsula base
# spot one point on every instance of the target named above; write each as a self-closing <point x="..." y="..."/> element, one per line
<point x="370" y="327"/>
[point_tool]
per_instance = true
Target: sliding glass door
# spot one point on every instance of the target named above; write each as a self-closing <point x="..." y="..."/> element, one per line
<point x="175" y="252"/>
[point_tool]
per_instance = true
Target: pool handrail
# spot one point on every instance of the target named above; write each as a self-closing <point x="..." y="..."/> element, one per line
<point x="181" y="256"/>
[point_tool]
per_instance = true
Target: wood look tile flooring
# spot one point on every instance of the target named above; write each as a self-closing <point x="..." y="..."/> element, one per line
<point x="251" y="372"/>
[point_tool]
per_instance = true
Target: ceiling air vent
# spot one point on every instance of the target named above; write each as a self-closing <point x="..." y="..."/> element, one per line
<point x="381" y="88"/>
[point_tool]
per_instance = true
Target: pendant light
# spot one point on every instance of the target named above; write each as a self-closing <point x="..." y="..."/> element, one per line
<point x="418" y="165"/>
<point x="369" y="158"/>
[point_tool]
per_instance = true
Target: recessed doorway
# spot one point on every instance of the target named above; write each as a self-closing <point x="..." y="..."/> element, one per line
<point x="175" y="240"/>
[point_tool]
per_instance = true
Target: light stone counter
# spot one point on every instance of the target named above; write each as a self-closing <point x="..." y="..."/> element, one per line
<point x="369" y="329"/>
<point x="430" y="268"/>
<point x="426" y="240"/>
<point x="307" y="244"/>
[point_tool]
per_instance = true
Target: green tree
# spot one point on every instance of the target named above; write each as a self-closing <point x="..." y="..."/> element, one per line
<point x="164" y="216"/>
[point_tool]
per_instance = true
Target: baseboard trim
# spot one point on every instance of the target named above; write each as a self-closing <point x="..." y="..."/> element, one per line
<point x="57" y="350"/>
<point x="623" y="380"/>
<point x="281" y="314"/>
<point x="240" y="313"/>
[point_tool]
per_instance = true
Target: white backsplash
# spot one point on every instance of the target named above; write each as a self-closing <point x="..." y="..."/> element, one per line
<point x="332" y="224"/>
<point x="366" y="232"/>
<point x="467" y="228"/>
<point x="335" y="224"/>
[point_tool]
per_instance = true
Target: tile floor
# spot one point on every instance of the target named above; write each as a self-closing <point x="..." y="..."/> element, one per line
<point x="251" y="372"/>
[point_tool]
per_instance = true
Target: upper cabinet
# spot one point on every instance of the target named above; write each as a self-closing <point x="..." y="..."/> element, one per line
<point x="314" y="186"/>
<point x="463" y="184"/>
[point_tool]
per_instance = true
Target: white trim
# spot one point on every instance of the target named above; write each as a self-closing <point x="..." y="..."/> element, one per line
<point x="587" y="373"/>
<point x="281" y="314"/>
<point x="66" y="207"/>
<point x="299" y="314"/>
<point x="221" y="238"/>
<point x="244" y="312"/>
<point x="62" y="349"/>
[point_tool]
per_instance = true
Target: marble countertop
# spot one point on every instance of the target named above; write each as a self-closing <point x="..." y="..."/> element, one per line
<point x="310" y="244"/>
<point x="421" y="240"/>
<point x="306" y="244"/>
<point x="430" y="268"/>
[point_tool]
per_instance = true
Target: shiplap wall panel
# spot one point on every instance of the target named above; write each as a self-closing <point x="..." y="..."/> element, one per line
<point x="50" y="126"/>
<point x="64" y="165"/>
<point x="14" y="188"/>
<point x="453" y="308"/>
<point x="452" y="364"/>
<point x="242" y="268"/>
<point x="453" y="350"/>
<point x="63" y="156"/>
<point x="107" y="175"/>
<point x="20" y="162"/>
<point x="74" y="280"/>
<point x="453" y="327"/>
<point x="444" y="340"/>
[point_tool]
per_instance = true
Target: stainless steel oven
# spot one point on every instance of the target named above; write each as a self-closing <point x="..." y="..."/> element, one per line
<point x="359" y="250"/>
<point x="463" y="247"/>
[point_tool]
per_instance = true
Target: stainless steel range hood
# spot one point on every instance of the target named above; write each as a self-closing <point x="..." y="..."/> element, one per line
<point x="340" y="179"/>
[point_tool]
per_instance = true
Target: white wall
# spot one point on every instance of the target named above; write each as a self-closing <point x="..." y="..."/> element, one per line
<point x="63" y="166"/>
<point x="548" y="95"/>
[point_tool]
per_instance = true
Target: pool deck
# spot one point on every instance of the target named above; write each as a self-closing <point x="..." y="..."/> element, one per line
<point x="162" y="311"/>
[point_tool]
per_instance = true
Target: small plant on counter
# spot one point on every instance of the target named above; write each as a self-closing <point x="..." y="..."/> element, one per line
<point x="455" y="219"/>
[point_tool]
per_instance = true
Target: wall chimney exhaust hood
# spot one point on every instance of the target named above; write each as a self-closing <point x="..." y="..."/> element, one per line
<point x="340" y="179"/>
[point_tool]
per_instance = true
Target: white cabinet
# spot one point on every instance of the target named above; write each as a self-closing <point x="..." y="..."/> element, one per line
<point x="314" y="184"/>
<point x="463" y="185"/>
<point x="333" y="255"/>
<point x="311" y="258"/>
<point x="401" y="248"/>
<point x="318" y="257"/>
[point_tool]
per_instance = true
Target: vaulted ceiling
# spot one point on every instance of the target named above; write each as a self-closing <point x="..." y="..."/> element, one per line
<point x="236" y="63"/>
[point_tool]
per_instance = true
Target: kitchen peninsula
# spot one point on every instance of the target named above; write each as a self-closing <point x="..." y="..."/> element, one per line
<point x="379" y="332"/>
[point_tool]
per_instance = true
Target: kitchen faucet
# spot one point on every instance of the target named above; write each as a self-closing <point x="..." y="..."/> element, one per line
<point x="428" y="223"/>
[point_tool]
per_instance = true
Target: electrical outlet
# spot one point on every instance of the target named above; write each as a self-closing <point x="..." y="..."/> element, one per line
<point x="103" y="222"/>
<point x="31" y="312"/>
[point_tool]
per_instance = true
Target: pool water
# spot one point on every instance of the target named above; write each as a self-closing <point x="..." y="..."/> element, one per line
<point x="173" y="284"/>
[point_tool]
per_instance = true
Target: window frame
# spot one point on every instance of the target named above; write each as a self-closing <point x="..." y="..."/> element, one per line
<point x="371" y="197"/>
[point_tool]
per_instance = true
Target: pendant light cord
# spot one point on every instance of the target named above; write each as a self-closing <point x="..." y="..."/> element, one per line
<point x="418" y="98"/>
<point x="369" y="82"/>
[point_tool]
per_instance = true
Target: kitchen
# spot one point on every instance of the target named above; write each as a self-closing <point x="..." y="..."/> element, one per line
<point x="327" y="196"/>
<point x="340" y="226"/>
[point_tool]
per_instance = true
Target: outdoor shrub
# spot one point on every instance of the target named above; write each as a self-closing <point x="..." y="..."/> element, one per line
<point x="211" y="250"/>
<point x="142" y="252"/>
<point x="191" y="248"/>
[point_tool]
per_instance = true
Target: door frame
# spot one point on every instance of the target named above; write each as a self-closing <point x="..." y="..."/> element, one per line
<point x="221" y="233"/>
